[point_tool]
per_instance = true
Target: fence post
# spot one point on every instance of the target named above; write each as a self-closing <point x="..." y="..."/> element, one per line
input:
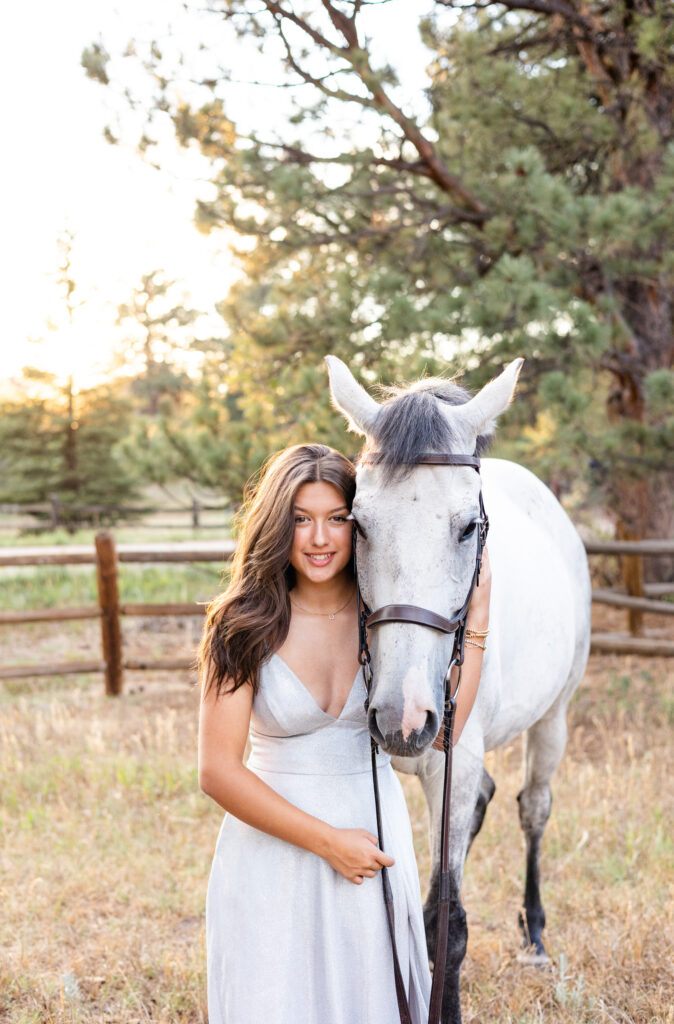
<point x="195" y="513"/>
<point x="54" y="513"/>
<point x="633" y="578"/>
<point x="108" y="599"/>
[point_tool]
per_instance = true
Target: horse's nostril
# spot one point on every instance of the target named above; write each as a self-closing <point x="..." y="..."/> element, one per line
<point x="431" y="723"/>
<point x="375" y="731"/>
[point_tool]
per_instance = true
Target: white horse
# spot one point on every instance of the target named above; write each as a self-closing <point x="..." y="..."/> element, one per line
<point x="419" y="550"/>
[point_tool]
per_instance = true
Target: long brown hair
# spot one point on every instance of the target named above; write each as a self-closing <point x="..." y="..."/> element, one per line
<point x="250" y="620"/>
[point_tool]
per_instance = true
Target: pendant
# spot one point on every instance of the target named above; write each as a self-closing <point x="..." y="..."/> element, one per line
<point x="331" y="617"/>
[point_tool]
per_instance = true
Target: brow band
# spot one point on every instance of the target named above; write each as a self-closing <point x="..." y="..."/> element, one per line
<point x="429" y="459"/>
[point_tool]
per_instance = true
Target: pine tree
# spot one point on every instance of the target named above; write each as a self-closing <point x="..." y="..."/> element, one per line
<point x="529" y="214"/>
<point x="58" y="441"/>
<point x="156" y="327"/>
<point x="36" y="447"/>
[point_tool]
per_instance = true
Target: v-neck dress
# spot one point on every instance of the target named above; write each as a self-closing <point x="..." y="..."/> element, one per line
<point x="289" y="940"/>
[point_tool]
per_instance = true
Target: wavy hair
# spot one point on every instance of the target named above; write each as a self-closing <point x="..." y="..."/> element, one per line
<point x="250" y="619"/>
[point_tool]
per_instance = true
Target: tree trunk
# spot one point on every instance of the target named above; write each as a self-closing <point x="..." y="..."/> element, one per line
<point x="71" y="441"/>
<point x="644" y="502"/>
<point x="660" y="523"/>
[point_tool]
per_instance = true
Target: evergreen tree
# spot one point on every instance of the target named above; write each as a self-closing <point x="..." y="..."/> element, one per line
<point x="36" y="450"/>
<point x="529" y="214"/>
<point x="185" y="424"/>
<point x="58" y="441"/>
<point x="158" y="329"/>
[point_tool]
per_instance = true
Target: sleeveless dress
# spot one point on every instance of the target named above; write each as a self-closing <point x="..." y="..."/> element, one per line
<point x="289" y="940"/>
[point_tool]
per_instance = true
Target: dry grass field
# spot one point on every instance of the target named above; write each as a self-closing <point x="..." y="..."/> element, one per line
<point x="106" y="844"/>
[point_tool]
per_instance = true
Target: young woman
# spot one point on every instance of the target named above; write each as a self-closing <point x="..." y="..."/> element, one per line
<point x="295" y="919"/>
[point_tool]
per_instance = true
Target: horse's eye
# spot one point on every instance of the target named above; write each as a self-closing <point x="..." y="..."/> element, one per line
<point x="468" y="531"/>
<point x="359" y="528"/>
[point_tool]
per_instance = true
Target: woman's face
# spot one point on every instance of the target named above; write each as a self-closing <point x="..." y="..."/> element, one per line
<point x="322" y="542"/>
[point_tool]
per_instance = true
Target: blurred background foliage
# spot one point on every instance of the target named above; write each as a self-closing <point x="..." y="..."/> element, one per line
<point x="527" y="213"/>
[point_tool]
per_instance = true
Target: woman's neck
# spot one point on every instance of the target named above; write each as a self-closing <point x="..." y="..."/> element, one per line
<point x="326" y="596"/>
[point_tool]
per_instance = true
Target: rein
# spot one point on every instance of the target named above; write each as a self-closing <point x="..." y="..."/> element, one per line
<point x="457" y="625"/>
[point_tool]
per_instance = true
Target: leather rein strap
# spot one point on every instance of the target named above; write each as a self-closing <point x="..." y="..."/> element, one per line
<point x="457" y="625"/>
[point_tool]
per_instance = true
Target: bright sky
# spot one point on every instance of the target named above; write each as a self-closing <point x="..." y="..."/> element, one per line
<point x="58" y="172"/>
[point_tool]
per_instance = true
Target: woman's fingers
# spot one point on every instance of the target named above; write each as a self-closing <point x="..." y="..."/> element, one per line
<point x="368" y="873"/>
<point x="379" y="861"/>
<point x="382" y="858"/>
<point x="356" y="855"/>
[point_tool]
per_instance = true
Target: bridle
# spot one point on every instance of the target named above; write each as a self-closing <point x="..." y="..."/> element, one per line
<point x="457" y="625"/>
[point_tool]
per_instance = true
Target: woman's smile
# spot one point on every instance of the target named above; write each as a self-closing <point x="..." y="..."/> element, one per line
<point x="321" y="559"/>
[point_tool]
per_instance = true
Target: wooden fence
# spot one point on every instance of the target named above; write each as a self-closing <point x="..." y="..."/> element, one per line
<point x="106" y="556"/>
<point x="55" y="513"/>
<point x="640" y="598"/>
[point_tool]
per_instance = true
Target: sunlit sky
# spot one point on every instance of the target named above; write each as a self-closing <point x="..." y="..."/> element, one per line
<point x="128" y="219"/>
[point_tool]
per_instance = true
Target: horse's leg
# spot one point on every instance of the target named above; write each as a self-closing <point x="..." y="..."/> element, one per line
<point x="544" y="745"/>
<point x="467" y="777"/>
<point x="487" y="790"/>
<point x="430" y="770"/>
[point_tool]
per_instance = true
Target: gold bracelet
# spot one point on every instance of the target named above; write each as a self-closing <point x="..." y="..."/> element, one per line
<point x="474" y="643"/>
<point x="477" y="632"/>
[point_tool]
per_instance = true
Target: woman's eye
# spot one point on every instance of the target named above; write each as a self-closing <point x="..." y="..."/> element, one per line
<point x="300" y="519"/>
<point x="339" y="519"/>
<point x="468" y="531"/>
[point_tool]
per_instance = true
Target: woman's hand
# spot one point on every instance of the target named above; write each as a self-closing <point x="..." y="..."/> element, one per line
<point x="354" y="853"/>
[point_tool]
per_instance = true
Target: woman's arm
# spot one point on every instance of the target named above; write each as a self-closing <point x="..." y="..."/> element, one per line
<point x="478" y="619"/>
<point x="223" y="731"/>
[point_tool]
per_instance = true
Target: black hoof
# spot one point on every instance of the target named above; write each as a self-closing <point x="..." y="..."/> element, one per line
<point x="533" y="956"/>
<point x="533" y="950"/>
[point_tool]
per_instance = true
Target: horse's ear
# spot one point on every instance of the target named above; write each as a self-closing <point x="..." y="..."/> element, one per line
<point x="350" y="398"/>
<point x="482" y="411"/>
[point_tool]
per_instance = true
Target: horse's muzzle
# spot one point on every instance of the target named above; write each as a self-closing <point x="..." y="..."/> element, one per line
<point x="392" y="741"/>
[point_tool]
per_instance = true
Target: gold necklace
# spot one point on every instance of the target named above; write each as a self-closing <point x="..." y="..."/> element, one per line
<point x="329" y="615"/>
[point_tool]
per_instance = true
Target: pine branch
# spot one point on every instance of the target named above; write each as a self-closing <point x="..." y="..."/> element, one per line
<point x="447" y="214"/>
<point x="548" y="7"/>
<point x="380" y="100"/>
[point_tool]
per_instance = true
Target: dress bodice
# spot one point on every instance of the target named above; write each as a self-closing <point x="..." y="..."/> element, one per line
<point x="290" y="732"/>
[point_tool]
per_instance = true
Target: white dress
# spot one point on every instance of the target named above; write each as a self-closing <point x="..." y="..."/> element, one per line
<point x="289" y="940"/>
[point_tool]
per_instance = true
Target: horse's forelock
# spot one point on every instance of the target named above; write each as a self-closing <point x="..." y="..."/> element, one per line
<point x="410" y="422"/>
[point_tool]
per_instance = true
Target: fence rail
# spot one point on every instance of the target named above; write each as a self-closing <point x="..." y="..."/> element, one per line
<point x="56" y="513"/>
<point x="84" y="554"/>
<point x="632" y="552"/>
<point x="630" y="547"/>
<point x="642" y="604"/>
<point x="106" y="556"/>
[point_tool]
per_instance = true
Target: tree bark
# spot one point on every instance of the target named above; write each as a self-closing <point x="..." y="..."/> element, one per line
<point x="644" y="507"/>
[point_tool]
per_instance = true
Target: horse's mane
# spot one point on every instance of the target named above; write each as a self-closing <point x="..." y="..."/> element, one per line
<point x="409" y="423"/>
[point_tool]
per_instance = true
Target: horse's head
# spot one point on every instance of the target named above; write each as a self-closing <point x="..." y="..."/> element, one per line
<point x="417" y="540"/>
